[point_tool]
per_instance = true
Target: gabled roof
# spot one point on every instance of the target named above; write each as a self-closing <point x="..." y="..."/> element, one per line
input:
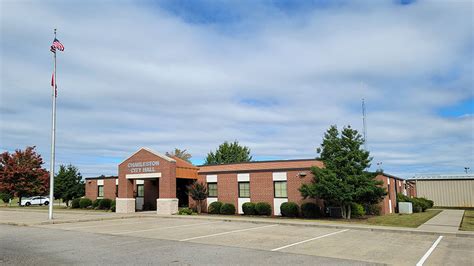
<point x="153" y="152"/>
<point x="182" y="163"/>
<point x="262" y="165"/>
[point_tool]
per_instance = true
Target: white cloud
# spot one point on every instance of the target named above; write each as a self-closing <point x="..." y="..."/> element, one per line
<point x="136" y="76"/>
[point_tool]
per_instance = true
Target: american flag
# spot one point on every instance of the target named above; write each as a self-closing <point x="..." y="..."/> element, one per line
<point x="57" y="45"/>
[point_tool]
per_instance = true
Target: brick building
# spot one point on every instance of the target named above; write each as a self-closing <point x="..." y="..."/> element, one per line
<point x="148" y="180"/>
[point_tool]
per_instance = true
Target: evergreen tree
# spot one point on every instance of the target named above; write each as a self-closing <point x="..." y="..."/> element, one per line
<point x="229" y="153"/>
<point x="68" y="184"/>
<point x="344" y="179"/>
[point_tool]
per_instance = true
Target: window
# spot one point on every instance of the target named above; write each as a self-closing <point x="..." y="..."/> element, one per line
<point x="100" y="190"/>
<point x="280" y="189"/>
<point x="116" y="190"/>
<point x="212" y="189"/>
<point x="388" y="191"/>
<point x="244" y="189"/>
<point x="140" y="191"/>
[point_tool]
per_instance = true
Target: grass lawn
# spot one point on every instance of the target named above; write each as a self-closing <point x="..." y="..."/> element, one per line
<point x="403" y="220"/>
<point x="468" y="221"/>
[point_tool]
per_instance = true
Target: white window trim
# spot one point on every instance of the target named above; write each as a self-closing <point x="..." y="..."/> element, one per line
<point x="279" y="176"/>
<point x="211" y="178"/>
<point x="243" y="177"/>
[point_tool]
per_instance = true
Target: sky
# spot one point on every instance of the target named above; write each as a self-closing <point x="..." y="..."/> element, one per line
<point x="273" y="75"/>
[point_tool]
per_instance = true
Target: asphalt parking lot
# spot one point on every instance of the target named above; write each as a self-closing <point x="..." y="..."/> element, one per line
<point x="346" y="244"/>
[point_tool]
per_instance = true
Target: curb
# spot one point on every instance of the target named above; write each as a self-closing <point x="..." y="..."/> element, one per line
<point x="333" y="226"/>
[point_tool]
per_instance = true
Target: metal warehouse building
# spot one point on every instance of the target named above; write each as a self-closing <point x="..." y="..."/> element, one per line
<point x="446" y="190"/>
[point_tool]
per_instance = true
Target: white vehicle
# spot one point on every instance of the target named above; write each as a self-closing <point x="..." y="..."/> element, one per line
<point x="39" y="200"/>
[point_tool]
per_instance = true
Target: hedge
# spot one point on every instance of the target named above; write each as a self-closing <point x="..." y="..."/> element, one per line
<point x="289" y="209"/>
<point x="112" y="207"/>
<point x="227" y="208"/>
<point x="214" y="208"/>
<point x="263" y="208"/>
<point x="185" y="211"/>
<point x="84" y="203"/>
<point x="105" y="204"/>
<point x="373" y="209"/>
<point x="310" y="210"/>
<point x="96" y="203"/>
<point x="75" y="203"/>
<point x="248" y="208"/>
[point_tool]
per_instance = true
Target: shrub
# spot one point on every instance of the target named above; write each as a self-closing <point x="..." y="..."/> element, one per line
<point x="96" y="203"/>
<point x="416" y="205"/>
<point x="248" y="208"/>
<point x="402" y="198"/>
<point x="112" y="206"/>
<point x="215" y="207"/>
<point x="373" y="209"/>
<point x="105" y="204"/>
<point x="75" y="204"/>
<point x="310" y="210"/>
<point x="185" y="211"/>
<point x="84" y="203"/>
<point x="289" y="209"/>
<point x="357" y="210"/>
<point x="425" y="203"/>
<point x="227" y="208"/>
<point x="263" y="208"/>
<point x="5" y="197"/>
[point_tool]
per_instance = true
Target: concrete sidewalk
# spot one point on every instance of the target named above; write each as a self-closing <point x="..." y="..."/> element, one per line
<point x="448" y="221"/>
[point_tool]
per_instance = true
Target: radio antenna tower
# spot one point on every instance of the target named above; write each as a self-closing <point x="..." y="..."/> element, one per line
<point x="364" y="124"/>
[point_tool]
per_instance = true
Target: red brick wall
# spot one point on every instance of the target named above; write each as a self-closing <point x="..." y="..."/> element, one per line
<point x="167" y="182"/>
<point x="91" y="189"/>
<point x="261" y="187"/>
<point x="109" y="188"/>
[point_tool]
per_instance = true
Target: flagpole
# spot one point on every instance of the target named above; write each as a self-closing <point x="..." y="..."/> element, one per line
<point x="53" y="141"/>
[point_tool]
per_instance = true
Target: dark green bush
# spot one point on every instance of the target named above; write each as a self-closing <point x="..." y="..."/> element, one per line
<point x="425" y="203"/>
<point x="96" y="203"/>
<point x="112" y="206"/>
<point x="417" y="205"/>
<point x="289" y="209"/>
<point x="105" y="204"/>
<point x="402" y="198"/>
<point x="75" y="204"/>
<point x="5" y="197"/>
<point x="357" y="210"/>
<point x="373" y="209"/>
<point x="185" y="211"/>
<point x="227" y="208"/>
<point x="214" y="208"/>
<point x="248" y="208"/>
<point x="84" y="203"/>
<point x="263" y="208"/>
<point x="310" y="210"/>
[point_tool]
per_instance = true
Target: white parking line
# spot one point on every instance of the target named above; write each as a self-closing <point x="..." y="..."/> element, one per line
<point x="161" y="228"/>
<point x="103" y="225"/>
<point x="229" y="232"/>
<point x="307" y="240"/>
<point x="428" y="253"/>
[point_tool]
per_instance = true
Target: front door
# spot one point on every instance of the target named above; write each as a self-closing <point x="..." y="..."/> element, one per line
<point x="139" y="199"/>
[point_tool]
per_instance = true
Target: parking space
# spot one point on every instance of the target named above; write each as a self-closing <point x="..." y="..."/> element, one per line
<point x="357" y="245"/>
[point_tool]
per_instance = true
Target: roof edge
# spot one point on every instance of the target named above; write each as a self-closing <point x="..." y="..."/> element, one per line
<point x="150" y="151"/>
<point x="270" y="161"/>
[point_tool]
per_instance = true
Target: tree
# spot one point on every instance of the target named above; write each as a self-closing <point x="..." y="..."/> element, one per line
<point x="198" y="192"/>
<point x="344" y="180"/>
<point x="68" y="184"/>
<point x="229" y="153"/>
<point x="21" y="173"/>
<point x="182" y="154"/>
